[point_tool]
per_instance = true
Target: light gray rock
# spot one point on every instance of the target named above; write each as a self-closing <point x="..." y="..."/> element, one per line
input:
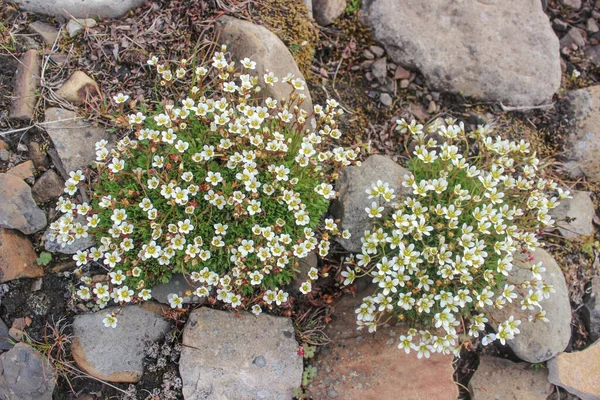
<point x="77" y="25"/>
<point x="379" y="70"/>
<point x="539" y="341"/>
<point x="308" y="4"/>
<point x="353" y="199"/>
<point x="581" y="209"/>
<point x="5" y="339"/>
<point x="239" y="356"/>
<point x="80" y="8"/>
<point x="78" y="244"/>
<point x="583" y="142"/>
<point x="48" y="33"/>
<point x="26" y="375"/>
<point x="494" y="50"/>
<point x="245" y="39"/>
<point x="591" y="309"/>
<point x="17" y="208"/>
<point x="386" y="99"/>
<point x="117" y="354"/>
<point x="327" y="11"/>
<point x="578" y="372"/>
<point x="575" y="4"/>
<point x="177" y="285"/>
<point x="497" y="378"/>
<point x="73" y="139"/>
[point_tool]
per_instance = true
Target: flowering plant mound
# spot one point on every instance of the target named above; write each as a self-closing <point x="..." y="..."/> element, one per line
<point x="444" y="257"/>
<point x="218" y="186"/>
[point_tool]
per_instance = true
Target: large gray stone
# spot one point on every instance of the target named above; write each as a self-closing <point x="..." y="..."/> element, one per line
<point x="494" y="50"/>
<point x="539" y="341"/>
<point x="583" y="142"/>
<point x="78" y="244"/>
<point x="117" y="354"/>
<point x="5" y="339"/>
<point x="591" y="309"/>
<point x="239" y="356"/>
<point x="26" y="375"/>
<point x="581" y="210"/>
<point x="497" y="378"/>
<point x="245" y="39"/>
<point x="180" y="286"/>
<point x="353" y="199"/>
<point x="578" y="372"/>
<point x="73" y="139"/>
<point x="327" y="11"/>
<point x="17" y="207"/>
<point x="80" y="8"/>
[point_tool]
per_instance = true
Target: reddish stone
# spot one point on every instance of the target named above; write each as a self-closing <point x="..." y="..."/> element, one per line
<point x="27" y="79"/>
<point x="358" y="365"/>
<point x="17" y="257"/>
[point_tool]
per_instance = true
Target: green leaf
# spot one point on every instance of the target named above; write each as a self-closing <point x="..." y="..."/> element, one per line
<point x="44" y="259"/>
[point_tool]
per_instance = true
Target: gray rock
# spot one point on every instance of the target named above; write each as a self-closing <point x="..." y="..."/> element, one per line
<point x="353" y="199"/>
<point x="591" y="309"/>
<point x="308" y="4"/>
<point x="117" y="354"/>
<point x="539" y="341"/>
<point x="493" y="50"/>
<point x="575" y="4"/>
<point x="574" y="36"/>
<point x="5" y="339"/>
<point x="497" y="378"/>
<point x="379" y="69"/>
<point x="581" y="208"/>
<point x="48" y="33"/>
<point x="304" y="265"/>
<point x="78" y="244"/>
<point x="592" y="53"/>
<point x="73" y="138"/>
<point x="592" y="26"/>
<point x="26" y="375"/>
<point x="77" y="25"/>
<point x="4" y="155"/>
<point x="17" y="208"/>
<point x="583" y="141"/>
<point x="327" y="11"/>
<point x="386" y="99"/>
<point x="559" y="25"/>
<point x="377" y="51"/>
<point x="578" y="372"/>
<point x="239" y="356"/>
<point x="80" y="9"/>
<point x="48" y="187"/>
<point x="245" y="39"/>
<point x="177" y="285"/>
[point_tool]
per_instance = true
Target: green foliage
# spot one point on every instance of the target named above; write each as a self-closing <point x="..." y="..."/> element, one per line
<point x="308" y="375"/>
<point x="353" y="6"/>
<point x="224" y="188"/>
<point x="309" y="351"/>
<point x="44" y="259"/>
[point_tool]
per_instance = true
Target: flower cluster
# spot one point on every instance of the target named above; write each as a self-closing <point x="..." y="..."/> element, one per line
<point x="219" y="186"/>
<point x="444" y="256"/>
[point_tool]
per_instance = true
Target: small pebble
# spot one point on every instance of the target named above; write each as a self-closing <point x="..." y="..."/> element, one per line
<point x="377" y="51"/>
<point x="4" y="155"/>
<point x="332" y="394"/>
<point x="368" y="55"/>
<point x="260" y="362"/>
<point x="386" y="99"/>
<point x="432" y="107"/>
<point x="404" y="83"/>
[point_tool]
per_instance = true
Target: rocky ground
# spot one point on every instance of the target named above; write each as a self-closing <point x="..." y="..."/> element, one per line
<point x="528" y="68"/>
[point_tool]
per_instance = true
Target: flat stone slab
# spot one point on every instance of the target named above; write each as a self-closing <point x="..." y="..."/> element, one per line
<point x="239" y="356"/>
<point x="73" y="138"/>
<point x="497" y="378"/>
<point x="17" y="257"/>
<point x="27" y="80"/>
<point x="117" y="354"/>
<point x="26" y="375"/>
<point x="358" y="365"/>
<point x="578" y="372"/>
<point x="80" y="9"/>
<point x="17" y="207"/>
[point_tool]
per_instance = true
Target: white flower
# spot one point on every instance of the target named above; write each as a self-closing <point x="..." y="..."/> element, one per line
<point x="175" y="301"/>
<point x="110" y="321"/>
